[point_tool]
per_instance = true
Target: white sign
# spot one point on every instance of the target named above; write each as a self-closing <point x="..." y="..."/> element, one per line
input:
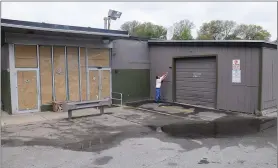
<point x="236" y="76"/>
<point x="236" y="72"/>
<point x="236" y="64"/>
<point x="196" y="74"/>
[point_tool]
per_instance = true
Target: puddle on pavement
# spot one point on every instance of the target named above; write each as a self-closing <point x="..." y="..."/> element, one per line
<point x="103" y="160"/>
<point x="203" y="161"/>
<point x="224" y="126"/>
<point x="93" y="142"/>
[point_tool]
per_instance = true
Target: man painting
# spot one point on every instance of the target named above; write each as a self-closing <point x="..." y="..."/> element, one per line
<point x="158" y="82"/>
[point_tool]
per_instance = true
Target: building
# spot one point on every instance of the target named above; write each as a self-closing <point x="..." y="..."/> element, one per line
<point x="44" y="62"/>
<point x="237" y="76"/>
<point x="48" y="62"/>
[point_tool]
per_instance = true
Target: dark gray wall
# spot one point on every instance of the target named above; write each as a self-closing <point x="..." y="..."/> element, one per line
<point x="5" y="57"/>
<point x="269" y="78"/>
<point x="130" y="54"/>
<point x="131" y="69"/>
<point x="5" y="79"/>
<point x="241" y="97"/>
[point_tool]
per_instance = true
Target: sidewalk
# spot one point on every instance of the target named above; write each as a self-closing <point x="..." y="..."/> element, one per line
<point x="28" y="118"/>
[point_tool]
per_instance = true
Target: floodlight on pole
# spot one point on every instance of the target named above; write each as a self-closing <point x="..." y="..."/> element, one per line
<point x="112" y="15"/>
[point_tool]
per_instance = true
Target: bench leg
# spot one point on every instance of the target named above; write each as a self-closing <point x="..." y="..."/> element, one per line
<point x="69" y="114"/>
<point x="101" y="110"/>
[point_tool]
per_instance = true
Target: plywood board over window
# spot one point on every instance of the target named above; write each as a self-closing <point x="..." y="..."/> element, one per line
<point x="25" y="56"/>
<point x="94" y="84"/>
<point x="27" y="90"/>
<point x="83" y="74"/>
<point x="105" y="84"/>
<point x="45" y="74"/>
<point x="98" y="57"/>
<point x="59" y="73"/>
<point x="73" y="73"/>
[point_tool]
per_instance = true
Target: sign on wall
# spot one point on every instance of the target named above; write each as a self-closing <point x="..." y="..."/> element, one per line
<point x="236" y="72"/>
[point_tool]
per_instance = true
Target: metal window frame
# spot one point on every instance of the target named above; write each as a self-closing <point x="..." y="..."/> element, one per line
<point x="99" y="70"/>
<point x="13" y="74"/>
<point x="79" y="76"/>
<point x="89" y="68"/>
<point x="53" y="74"/>
<point x="66" y="73"/>
<point x="109" y="55"/>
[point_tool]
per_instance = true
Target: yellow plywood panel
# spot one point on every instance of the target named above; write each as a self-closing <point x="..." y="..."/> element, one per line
<point x="83" y="73"/>
<point x="25" y="56"/>
<point x="94" y="84"/>
<point x="105" y="84"/>
<point x="59" y="73"/>
<point x="73" y="73"/>
<point x="45" y="74"/>
<point x="98" y="57"/>
<point x="27" y="90"/>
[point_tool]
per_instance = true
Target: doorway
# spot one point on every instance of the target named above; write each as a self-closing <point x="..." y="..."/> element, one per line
<point x="99" y="83"/>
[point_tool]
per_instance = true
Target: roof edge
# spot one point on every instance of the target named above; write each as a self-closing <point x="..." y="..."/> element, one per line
<point x="220" y="43"/>
<point x="61" y="28"/>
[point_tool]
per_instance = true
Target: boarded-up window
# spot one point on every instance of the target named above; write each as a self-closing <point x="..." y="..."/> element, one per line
<point x="25" y="56"/>
<point x="105" y="84"/>
<point x="73" y="73"/>
<point x="83" y="73"/>
<point x="98" y="57"/>
<point x="59" y="72"/>
<point x="46" y="74"/>
<point x="27" y="90"/>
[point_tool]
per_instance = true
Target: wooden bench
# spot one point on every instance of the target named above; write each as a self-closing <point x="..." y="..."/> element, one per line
<point x="71" y="106"/>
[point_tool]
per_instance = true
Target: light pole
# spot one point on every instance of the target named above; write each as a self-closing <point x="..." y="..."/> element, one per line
<point x="112" y="15"/>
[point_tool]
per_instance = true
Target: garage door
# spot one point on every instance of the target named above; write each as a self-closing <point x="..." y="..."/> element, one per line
<point x="196" y="81"/>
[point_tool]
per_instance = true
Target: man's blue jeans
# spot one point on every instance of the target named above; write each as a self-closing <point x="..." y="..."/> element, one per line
<point x="157" y="95"/>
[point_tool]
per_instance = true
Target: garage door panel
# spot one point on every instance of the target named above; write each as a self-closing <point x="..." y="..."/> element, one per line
<point x="196" y="75"/>
<point x="197" y="93"/>
<point x="185" y="80"/>
<point x="196" y="81"/>
<point x="191" y="89"/>
<point x="180" y="85"/>
<point x="195" y="65"/>
<point x="197" y="100"/>
<point x="196" y="70"/>
<point x="196" y="96"/>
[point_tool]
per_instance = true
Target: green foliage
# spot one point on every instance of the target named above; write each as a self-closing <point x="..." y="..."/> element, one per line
<point x="213" y="30"/>
<point x="217" y="30"/>
<point x="146" y="29"/>
<point x="130" y="26"/>
<point x="182" y="30"/>
<point x="229" y="30"/>
<point x="252" y="32"/>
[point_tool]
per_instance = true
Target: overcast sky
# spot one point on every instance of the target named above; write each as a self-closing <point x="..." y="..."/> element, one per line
<point x="90" y="14"/>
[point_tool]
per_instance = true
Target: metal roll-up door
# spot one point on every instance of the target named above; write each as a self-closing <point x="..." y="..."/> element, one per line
<point x="196" y="81"/>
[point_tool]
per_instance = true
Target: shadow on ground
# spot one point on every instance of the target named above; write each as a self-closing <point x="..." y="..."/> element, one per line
<point x="224" y="126"/>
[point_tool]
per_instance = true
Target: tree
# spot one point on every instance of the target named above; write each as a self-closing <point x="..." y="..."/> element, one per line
<point x="252" y="32"/>
<point x="146" y="29"/>
<point x="182" y="30"/>
<point x="229" y="30"/>
<point x="217" y="30"/>
<point x="130" y="26"/>
<point x="151" y="30"/>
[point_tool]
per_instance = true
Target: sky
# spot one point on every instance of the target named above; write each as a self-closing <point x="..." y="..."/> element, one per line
<point x="90" y="14"/>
